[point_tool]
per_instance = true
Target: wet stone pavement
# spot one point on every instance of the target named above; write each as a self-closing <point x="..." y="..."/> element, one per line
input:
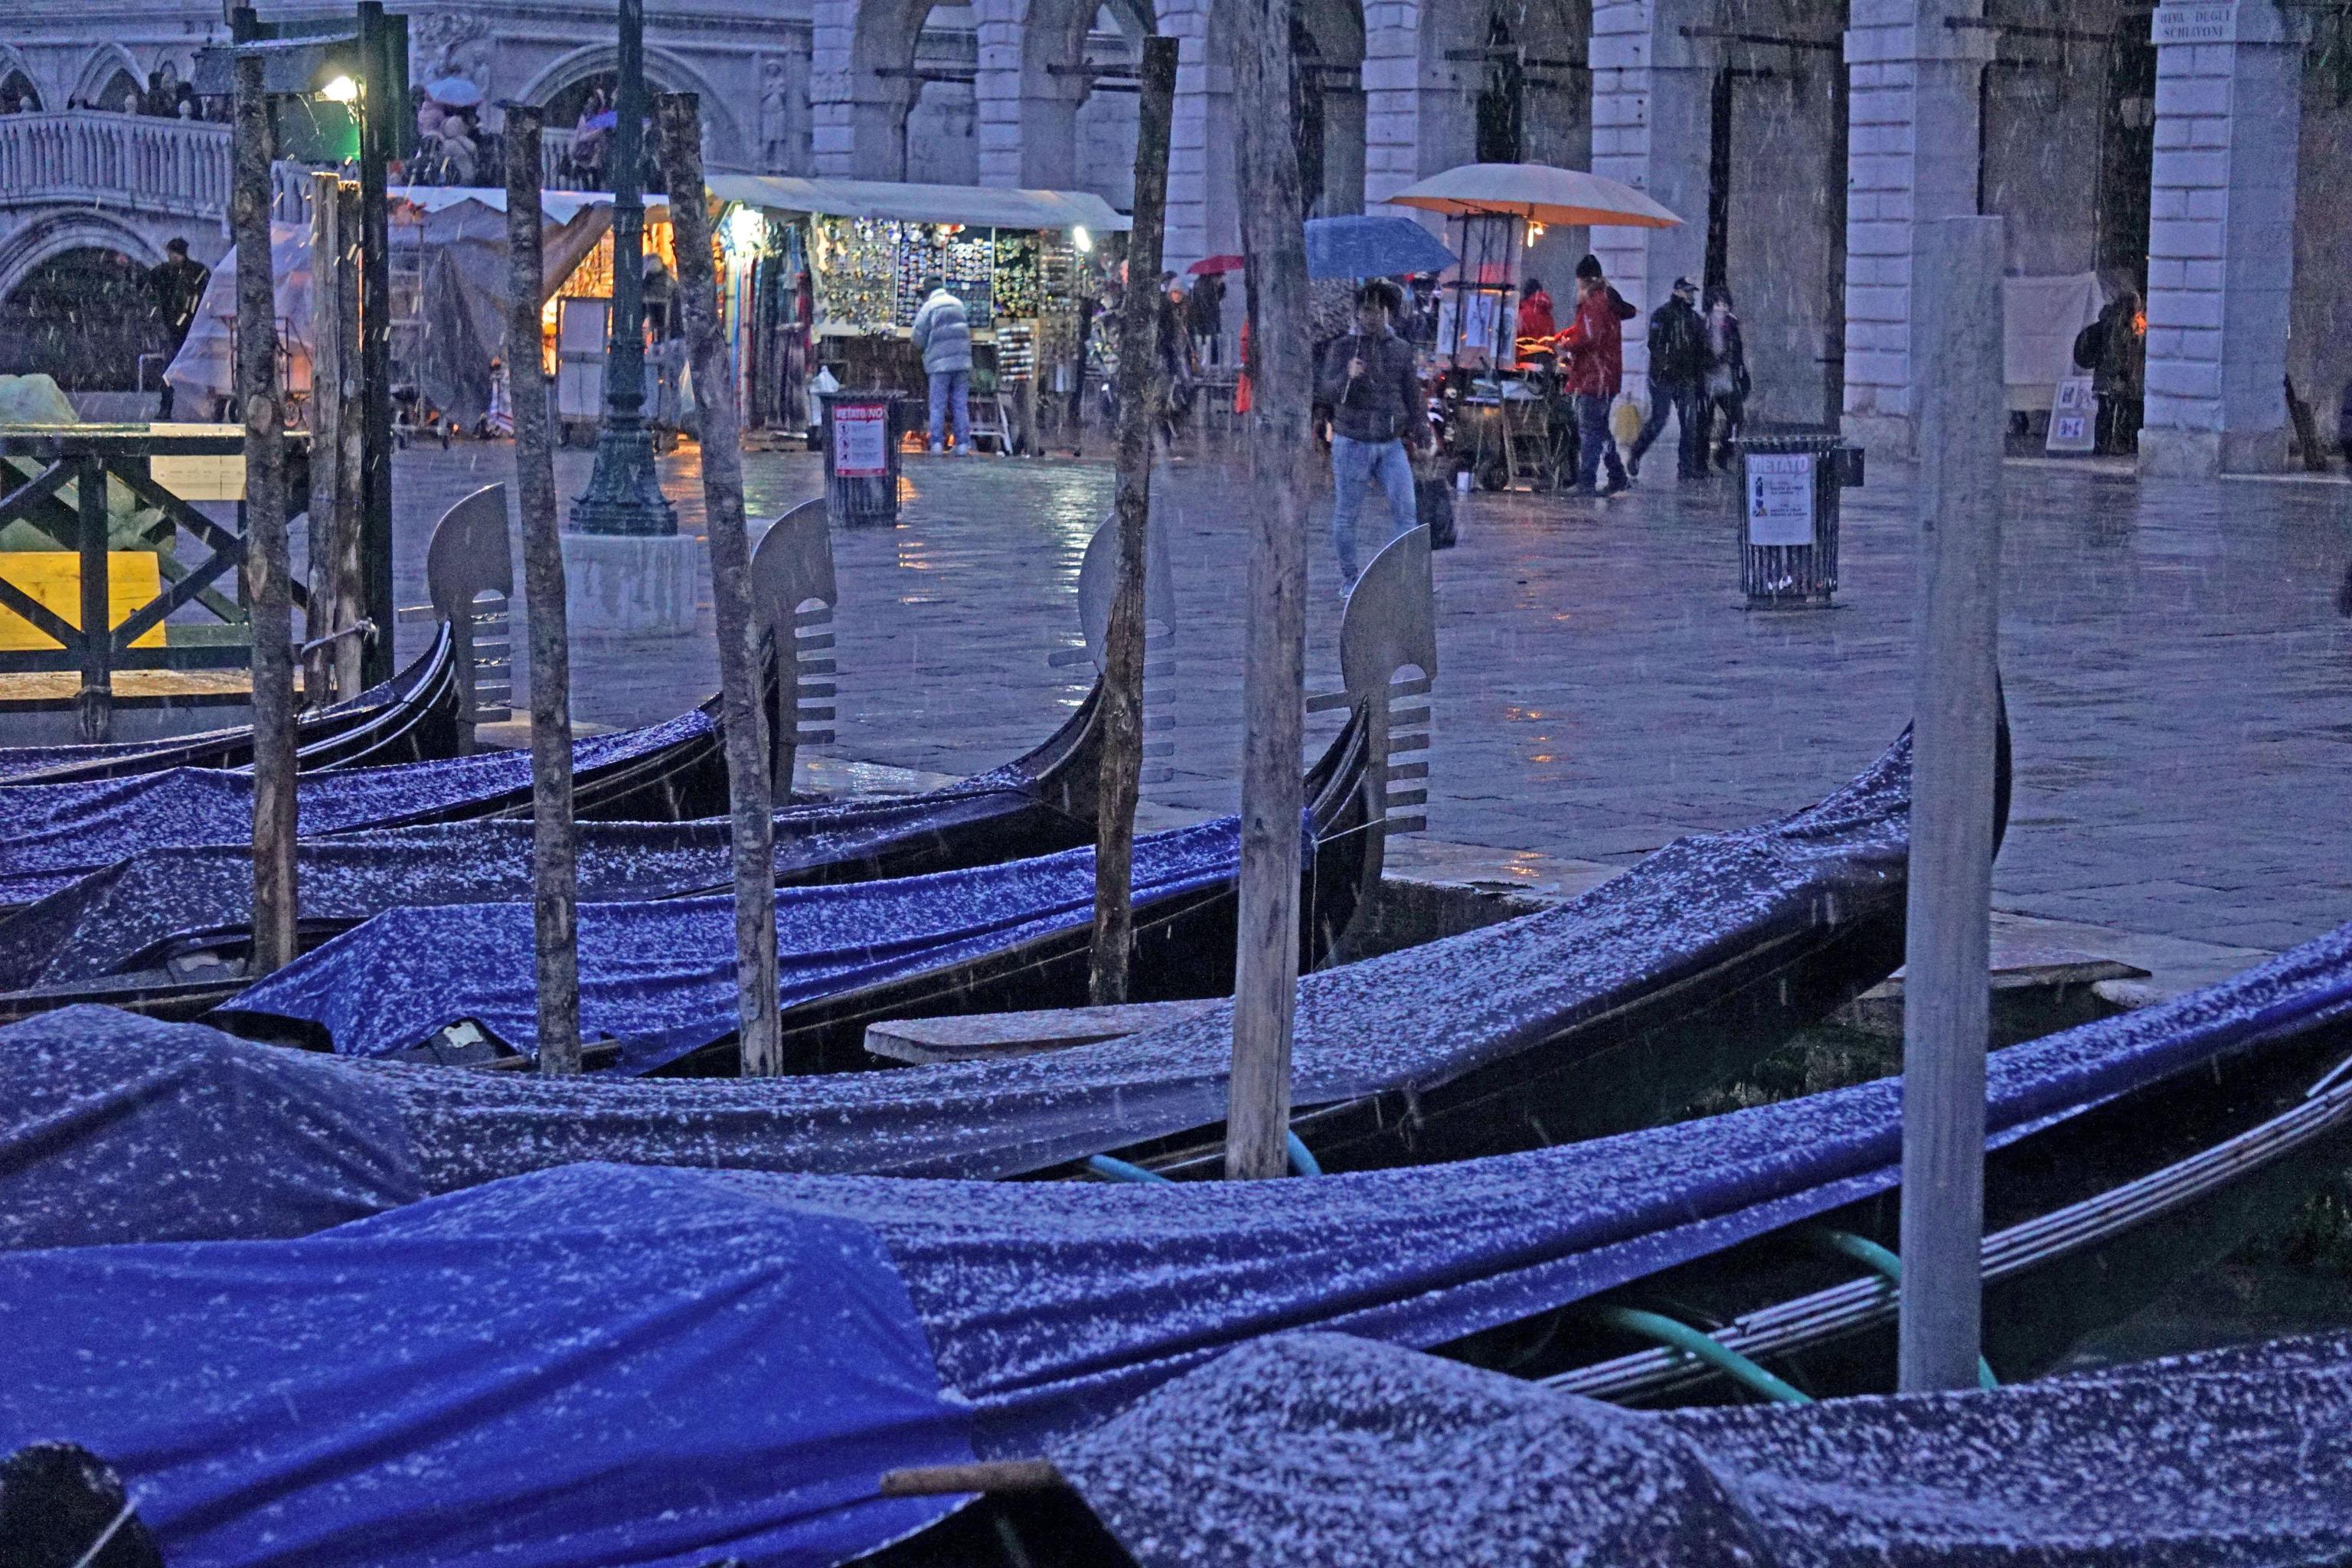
<point x="2179" y="680"/>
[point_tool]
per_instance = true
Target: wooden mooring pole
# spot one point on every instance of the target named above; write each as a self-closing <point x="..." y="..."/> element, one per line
<point x="1140" y="397"/>
<point x="1947" y="991"/>
<point x="749" y="791"/>
<point x="1274" y="240"/>
<point x="554" y="840"/>
<point x="268" y="588"/>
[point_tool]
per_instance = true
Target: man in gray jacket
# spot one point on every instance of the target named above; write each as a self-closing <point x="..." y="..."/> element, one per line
<point x="944" y="337"/>
<point x="1370" y="384"/>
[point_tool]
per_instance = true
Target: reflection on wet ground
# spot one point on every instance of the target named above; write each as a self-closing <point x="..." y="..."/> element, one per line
<point x="2179" y="680"/>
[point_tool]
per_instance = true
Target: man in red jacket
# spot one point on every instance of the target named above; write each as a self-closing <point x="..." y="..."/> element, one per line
<point x="1594" y="343"/>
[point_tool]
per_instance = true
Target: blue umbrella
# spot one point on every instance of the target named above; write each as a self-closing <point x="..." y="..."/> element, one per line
<point x="1372" y="246"/>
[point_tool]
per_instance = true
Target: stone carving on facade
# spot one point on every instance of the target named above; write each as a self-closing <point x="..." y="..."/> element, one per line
<point x="450" y="43"/>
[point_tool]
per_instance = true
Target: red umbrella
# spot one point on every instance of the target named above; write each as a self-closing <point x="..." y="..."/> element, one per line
<point x="1226" y="263"/>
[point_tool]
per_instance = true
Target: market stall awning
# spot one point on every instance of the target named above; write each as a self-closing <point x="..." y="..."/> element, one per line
<point x="559" y="206"/>
<point x="981" y="206"/>
<point x="1537" y="192"/>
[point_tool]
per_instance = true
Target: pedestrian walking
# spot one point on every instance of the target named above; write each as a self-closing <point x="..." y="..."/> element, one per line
<point x="174" y="290"/>
<point x="1369" y="382"/>
<point x="1595" y="345"/>
<point x="1206" y="313"/>
<point x="1678" y="364"/>
<point x="1726" y="377"/>
<point x="2119" y="374"/>
<point x="944" y="337"/>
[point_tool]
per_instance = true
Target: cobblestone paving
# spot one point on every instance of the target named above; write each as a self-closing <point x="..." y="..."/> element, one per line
<point x="2180" y="682"/>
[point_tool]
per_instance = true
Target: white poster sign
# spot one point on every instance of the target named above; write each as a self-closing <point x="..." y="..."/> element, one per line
<point x="2215" y="22"/>
<point x="1779" y="498"/>
<point x="861" y="440"/>
<point x="2073" y="416"/>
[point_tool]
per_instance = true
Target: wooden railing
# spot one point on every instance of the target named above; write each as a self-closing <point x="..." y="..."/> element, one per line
<point x="176" y="167"/>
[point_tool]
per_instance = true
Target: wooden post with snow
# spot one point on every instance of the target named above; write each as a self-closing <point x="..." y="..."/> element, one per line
<point x="554" y="838"/>
<point x="1273" y="241"/>
<point x="1140" y="397"/>
<point x="1947" y="991"/>
<point x="268" y="588"/>
<point x="749" y="791"/>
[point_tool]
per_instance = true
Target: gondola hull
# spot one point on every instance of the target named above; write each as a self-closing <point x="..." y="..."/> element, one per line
<point x="2087" y="1221"/>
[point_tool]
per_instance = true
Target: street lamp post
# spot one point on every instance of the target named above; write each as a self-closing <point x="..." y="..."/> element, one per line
<point x="622" y="495"/>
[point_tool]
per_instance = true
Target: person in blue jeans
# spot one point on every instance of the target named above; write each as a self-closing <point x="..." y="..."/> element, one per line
<point x="944" y="337"/>
<point x="1369" y="382"/>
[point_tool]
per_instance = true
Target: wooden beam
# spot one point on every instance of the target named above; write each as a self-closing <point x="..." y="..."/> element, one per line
<point x="981" y="1476"/>
<point x="1273" y="241"/>
<point x="1140" y="397"/>
<point x="554" y="838"/>
<point x="267" y="589"/>
<point x="1947" y="1013"/>
<point x="678" y="120"/>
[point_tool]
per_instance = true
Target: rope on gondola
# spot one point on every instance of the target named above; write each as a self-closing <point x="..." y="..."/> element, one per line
<point x="1681" y="1337"/>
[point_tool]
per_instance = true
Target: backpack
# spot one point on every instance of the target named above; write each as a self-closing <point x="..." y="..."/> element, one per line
<point x="2091" y="345"/>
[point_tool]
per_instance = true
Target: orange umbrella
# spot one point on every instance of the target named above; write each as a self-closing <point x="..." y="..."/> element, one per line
<point x="1538" y="193"/>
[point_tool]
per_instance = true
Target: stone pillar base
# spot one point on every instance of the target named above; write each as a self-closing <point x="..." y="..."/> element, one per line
<point x="1881" y="435"/>
<point x="2201" y="454"/>
<point x="632" y="585"/>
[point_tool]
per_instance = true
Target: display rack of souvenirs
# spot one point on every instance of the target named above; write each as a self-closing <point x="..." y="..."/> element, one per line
<point x="1016" y="350"/>
<point x="854" y="262"/>
<point x="1017" y="279"/>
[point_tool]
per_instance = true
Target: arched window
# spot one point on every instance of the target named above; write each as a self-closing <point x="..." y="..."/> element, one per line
<point x="17" y="93"/>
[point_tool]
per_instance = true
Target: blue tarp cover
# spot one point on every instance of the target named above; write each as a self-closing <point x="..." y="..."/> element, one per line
<point x="1411" y="1019"/>
<point x="52" y="834"/>
<point x="1318" y="1448"/>
<point x="107" y="920"/>
<point x="1046" y="1307"/>
<point x="659" y="976"/>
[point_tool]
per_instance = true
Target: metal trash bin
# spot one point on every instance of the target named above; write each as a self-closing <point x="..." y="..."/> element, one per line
<point x="861" y="457"/>
<point x="1788" y="515"/>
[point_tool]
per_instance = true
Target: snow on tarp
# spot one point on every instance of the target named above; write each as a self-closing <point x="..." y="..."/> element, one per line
<point x="52" y="834"/>
<point x="659" y="976"/>
<point x="1330" y="1450"/>
<point x="494" y="1381"/>
<point x="527" y="1315"/>
<point x="105" y="921"/>
<point x="1412" y="1019"/>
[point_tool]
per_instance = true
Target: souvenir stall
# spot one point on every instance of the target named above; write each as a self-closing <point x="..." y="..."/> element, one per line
<point x="1506" y="417"/>
<point x="1025" y="264"/>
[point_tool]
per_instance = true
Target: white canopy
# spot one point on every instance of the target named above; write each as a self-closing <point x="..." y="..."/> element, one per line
<point x="982" y="206"/>
<point x="559" y="206"/>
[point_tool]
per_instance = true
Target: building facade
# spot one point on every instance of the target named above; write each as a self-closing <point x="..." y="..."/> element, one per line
<point x="2198" y="153"/>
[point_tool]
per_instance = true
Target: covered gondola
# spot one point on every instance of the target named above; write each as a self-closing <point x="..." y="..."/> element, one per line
<point x="658" y="978"/>
<point x="973" y="1319"/>
<point x="166" y="931"/>
<point x="412" y="718"/>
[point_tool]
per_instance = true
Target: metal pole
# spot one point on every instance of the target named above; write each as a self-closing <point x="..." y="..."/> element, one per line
<point x="1274" y="240"/>
<point x="743" y="719"/>
<point x="1139" y="398"/>
<point x="622" y="495"/>
<point x="1947" y="992"/>
<point x="554" y="853"/>
<point x="381" y="98"/>
<point x="266" y="568"/>
<point x="326" y="400"/>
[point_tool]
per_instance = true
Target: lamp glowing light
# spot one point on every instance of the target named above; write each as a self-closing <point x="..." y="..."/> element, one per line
<point x="747" y="230"/>
<point x="342" y="89"/>
<point x="1534" y="231"/>
<point x="1083" y="241"/>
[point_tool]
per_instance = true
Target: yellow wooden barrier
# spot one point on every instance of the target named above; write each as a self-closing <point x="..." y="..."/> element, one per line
<point x="52" y="579"/>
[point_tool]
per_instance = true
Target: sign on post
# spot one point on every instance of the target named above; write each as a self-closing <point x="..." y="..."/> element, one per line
<point x="861" y="440"/>
<point x="2073" y="417"/>
<point x="1779" y="498"/>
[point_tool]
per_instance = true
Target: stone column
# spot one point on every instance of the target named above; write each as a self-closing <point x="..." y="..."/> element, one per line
<point x="1203" y="219"/>
<point x="1650" y="130"/>
<point x="1395" y="105"/>
<point x="855" y="117"/>
<point x="2220" y="261"/>
<point x="1913" y="151"/>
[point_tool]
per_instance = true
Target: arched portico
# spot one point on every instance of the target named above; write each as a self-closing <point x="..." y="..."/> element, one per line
<point x="111" y="78"/>
<point x="725" y="144"/>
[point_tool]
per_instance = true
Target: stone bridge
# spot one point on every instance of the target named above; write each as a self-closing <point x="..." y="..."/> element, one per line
<point x="88" y="179"/>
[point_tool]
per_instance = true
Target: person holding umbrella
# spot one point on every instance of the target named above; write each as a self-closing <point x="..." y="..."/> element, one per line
<point x="1370" y="384"/>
